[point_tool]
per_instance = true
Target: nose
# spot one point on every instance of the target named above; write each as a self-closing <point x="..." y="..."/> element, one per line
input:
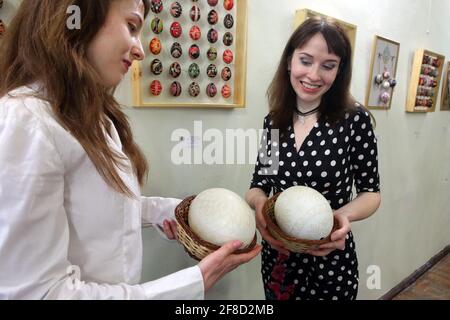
<point x="137" y="51"/>
<point x="314" y="73"/>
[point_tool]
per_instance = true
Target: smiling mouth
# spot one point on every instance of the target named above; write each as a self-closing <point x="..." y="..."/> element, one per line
<point x="310" y="86"/>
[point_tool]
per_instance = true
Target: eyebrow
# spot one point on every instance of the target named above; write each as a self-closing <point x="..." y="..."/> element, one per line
<point x="310" y="56"/>
<point x="141" y="21"/>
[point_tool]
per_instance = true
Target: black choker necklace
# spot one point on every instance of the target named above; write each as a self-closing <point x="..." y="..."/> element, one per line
<point x="302" y="115"/>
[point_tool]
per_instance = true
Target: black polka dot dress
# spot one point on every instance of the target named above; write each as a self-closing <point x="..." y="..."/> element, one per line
<point x="330" y="160"/>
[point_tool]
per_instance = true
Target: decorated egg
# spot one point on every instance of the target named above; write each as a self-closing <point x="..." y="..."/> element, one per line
<point x="156" y="67"/>
<point x="155" y="46"/>
<point x="175" y="70"/>
<point x="194" y="70"/>
<point x="228" y="4"/>
<point x="211" y="90"/>
<point x="213" y="17"/>
<point x="195" y="33"/>
<point x="385" y="97"/>
<point x="175" y="89"/>
<point x="176" y="9"/>
<point x="228" y="56"/>
<point x="156" y="6"/>
<point x="176" y="30"/>
<point x="157" y="25"/>
<point x="2" y="28"/>
<point x="212" y="3"/>
<point x="386" y="75"/>
<point x="303" y="213"/>
<point x="226" y="91"/>
<point x="194" y="89"/>
<point x="194" y="51"/>
<point x="211" y="71"/>
<point x="213" y="35"/>
<point x="228" y="21"/>
<point x="195" y="13"/>
<point x="219" y="215"/>
<point x="386" y="84"/>
<point x="226" y="74"/>
<point x="228" y="39"/>
<point x="155" y="88"/>
<point x="176" y="50"/>
<point x="212" y="53"/>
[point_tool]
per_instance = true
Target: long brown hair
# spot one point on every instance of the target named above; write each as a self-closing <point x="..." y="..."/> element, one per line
<point x="38" y="47"/>
<point x="337" y="100"/>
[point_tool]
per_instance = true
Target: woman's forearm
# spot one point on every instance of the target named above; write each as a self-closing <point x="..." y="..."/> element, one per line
<point x="362" y="207"/>
<point x="253" y="196"/>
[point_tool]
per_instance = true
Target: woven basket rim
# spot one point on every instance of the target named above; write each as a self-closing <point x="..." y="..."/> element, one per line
<point x="182" y="219"/>
<point x="273" y="226"/>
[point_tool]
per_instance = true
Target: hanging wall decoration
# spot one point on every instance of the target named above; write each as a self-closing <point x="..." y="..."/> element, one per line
<point x="2" y="24"/>
<point x="425" y="79"/>
<point x="382" y="80"/>
<point x="195" y="55"/>
<point x="445" y="95"/>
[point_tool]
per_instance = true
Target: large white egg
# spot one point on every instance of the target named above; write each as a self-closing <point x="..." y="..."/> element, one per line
<point x="219" y="215"/>
<point x="304" y="213"/>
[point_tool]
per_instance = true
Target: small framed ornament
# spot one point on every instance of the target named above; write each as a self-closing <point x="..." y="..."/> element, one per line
<point x="382" y="76"/>
<point x="195" y="55"/>
<point x="425" y="79"/>
<point x="445" y="95"/>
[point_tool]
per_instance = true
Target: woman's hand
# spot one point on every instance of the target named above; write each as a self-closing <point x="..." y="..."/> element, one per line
<point x="219" y="263"/>
<point x="170" y="229"/>
<point x="261" y="225"/>
<point x="337" y="237"/>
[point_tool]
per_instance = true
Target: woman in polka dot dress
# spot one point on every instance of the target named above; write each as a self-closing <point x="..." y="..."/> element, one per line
<point x="324" y="140"/>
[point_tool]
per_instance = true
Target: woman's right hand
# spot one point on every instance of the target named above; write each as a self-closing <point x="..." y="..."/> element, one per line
<point x="261" y="225"/>
<point x="219" y="263"/>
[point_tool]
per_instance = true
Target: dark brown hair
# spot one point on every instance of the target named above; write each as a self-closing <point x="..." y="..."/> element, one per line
<point x="337" y="100"/>
<point x="38" y="47"/>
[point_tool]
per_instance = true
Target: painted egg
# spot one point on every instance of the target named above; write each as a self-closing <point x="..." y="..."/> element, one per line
<point x="212" y="53"/>
<point x="211" y="90"/>
<point x="195" y="33"/>
<point x="228" y="21"/>
<point x="155" y="46"/>
<point x="213" y="17"/>
<point x="194" y="51"/>
<point x="213" y="3"/>
<point x="386" y="84"/>
<point x="176" y="50"/>
<point x="2" y="28"/>
<point x="228" y="39"/>
<point x="176" y="9"/>
<point x="213" y="35"/>
<point x="156" y="67"/>
<point x="226" y="91"/>
<point x="194" y="89"/>
<point x="176" y="30"/>
<point x="211" y="71"/>
<point x="175" y="70"/>
<point x="386" y="75"/>
<point x="194" y="70"/>
<point x="156" y="6"/>
<point x="195" y="13"/>
<point x="228" y="4"/>
<point x="226" y="74"/>
<point x="228" y="56"/>
<point x="156" y="88"/>
<point x="157" y="25"/>
<point x="385" y="97"/>
<point x="175" y="89"/>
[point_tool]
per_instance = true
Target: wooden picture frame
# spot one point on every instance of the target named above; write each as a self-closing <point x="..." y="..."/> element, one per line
<point x="143" y="77"/>
<point x="425" y="80"/>
<point x="302" y="15"/>
<point x="383" y="70"/>
<point x="445" y="94"/>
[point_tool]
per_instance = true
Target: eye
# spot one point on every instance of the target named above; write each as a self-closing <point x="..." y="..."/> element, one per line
<point x="132" y="27"/>
<point x="329" y="66"/>
<point x="305" y="62"/>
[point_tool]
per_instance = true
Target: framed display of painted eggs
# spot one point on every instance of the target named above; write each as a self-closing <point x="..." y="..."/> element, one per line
<point x="426" y="75"/>
<point x="445" y="95"/>
<point x="195" y="55"/>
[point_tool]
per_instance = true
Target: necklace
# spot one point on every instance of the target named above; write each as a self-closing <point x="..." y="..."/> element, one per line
<point x="303" y="115"/>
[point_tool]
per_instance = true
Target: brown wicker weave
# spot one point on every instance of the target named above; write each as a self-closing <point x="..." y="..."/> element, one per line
<point x="194" y="246"/>
<point x="291" y="243"/>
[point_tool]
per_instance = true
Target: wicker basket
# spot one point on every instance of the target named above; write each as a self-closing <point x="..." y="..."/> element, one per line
<point x="291" y="243"/>
<point x="194" y="246"/>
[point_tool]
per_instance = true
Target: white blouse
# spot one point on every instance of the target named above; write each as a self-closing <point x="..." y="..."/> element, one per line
<point x="64" y="233"/>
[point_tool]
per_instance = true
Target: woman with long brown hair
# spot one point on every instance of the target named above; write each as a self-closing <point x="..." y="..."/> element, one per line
<point x="70" y="171"/>
<point x="326" y="142"/>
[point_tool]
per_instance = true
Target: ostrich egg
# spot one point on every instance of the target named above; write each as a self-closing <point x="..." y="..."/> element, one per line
<point x="303" y="213"/>
<point x="219" y="215"/>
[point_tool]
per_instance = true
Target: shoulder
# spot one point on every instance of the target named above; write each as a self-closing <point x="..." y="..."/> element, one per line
<point x="268" y="120"/>
<point x="358" y="113"/>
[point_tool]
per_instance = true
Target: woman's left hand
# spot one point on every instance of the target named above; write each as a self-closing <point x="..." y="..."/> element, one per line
<point x="337" y="237"/>
<point x="170" y="229"/>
